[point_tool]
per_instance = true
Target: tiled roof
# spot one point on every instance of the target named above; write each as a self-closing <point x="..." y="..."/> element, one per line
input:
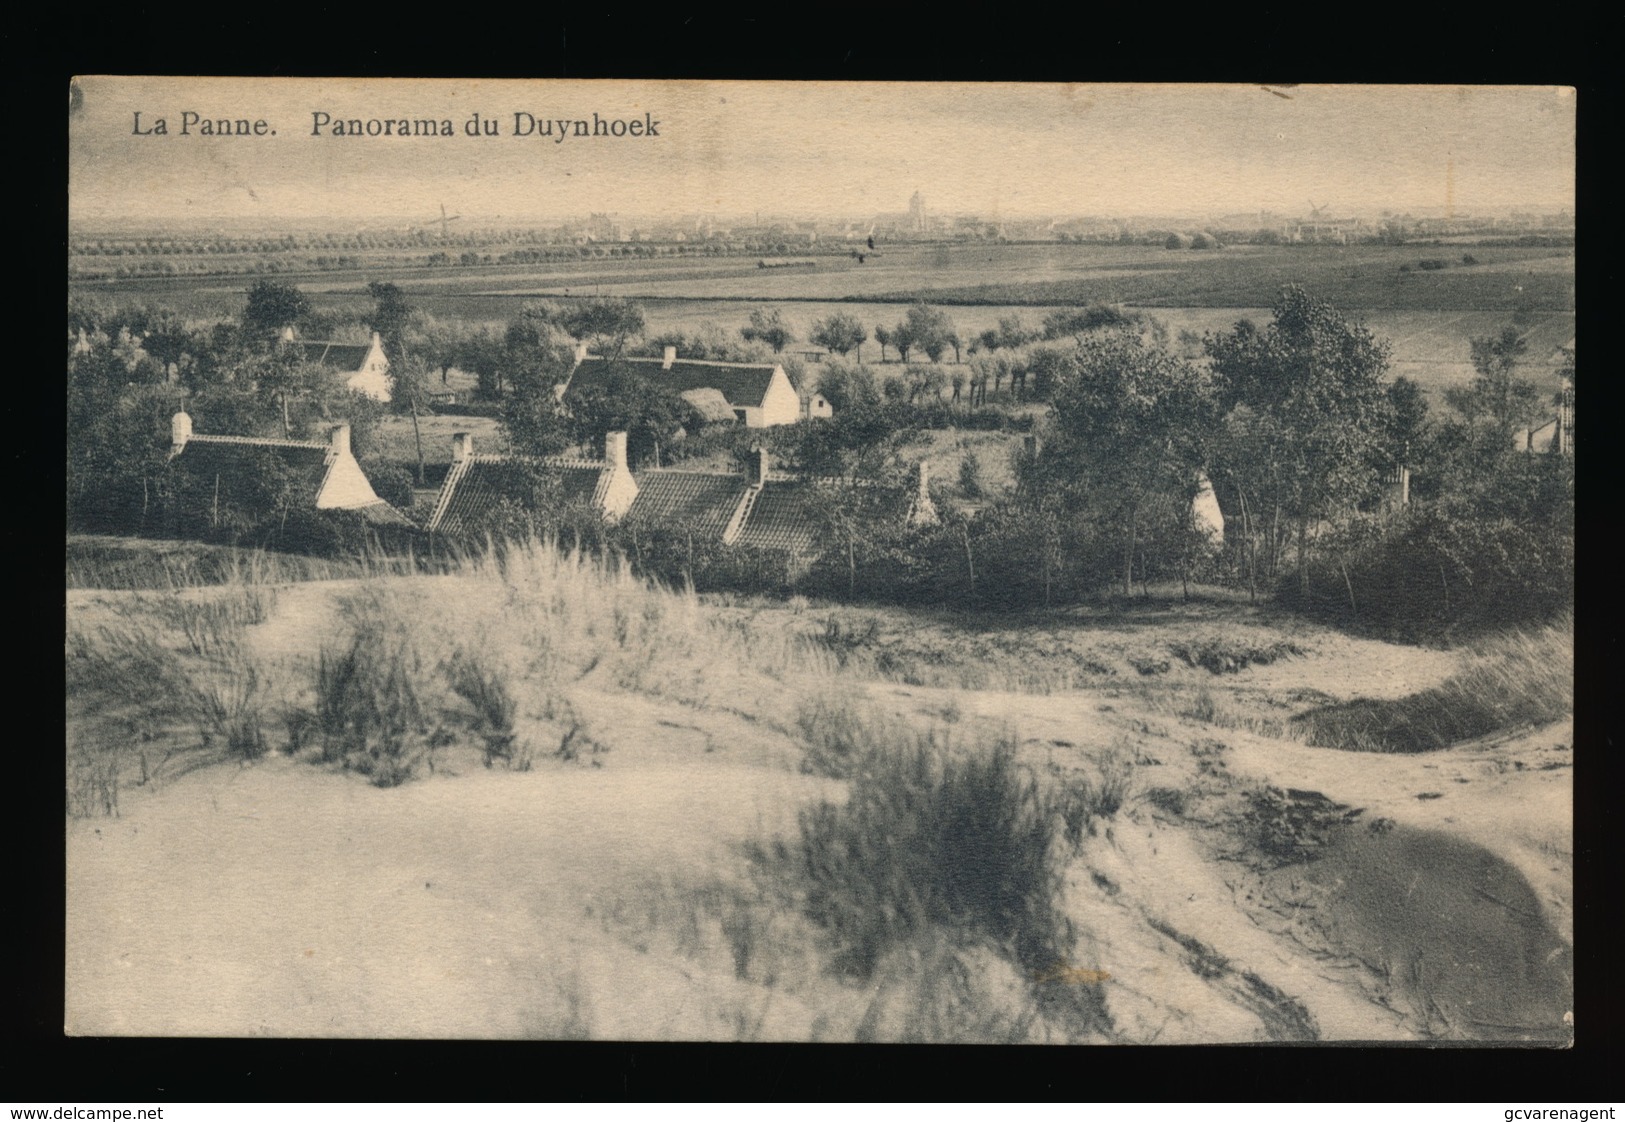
<point x="702" y="501"/>
<point x="743" y="384"/>
<point x="785" y="516"/>
<point x="478" y="485"/>
<point x="793" y="515"/>
<point x="381" y="513"/>
<point x="241" y="465"/>
<point x="348" y="357"/>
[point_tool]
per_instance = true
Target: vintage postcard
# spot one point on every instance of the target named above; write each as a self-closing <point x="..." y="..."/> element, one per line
<point x="820" y="562"/>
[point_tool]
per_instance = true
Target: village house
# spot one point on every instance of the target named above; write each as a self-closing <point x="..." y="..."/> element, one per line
<point x="362" y="365"/>
<point x="756" y="509"/>
<point x="759" y="394"/>
<point x="315" y="475"/>
<point x="479" y="486"/>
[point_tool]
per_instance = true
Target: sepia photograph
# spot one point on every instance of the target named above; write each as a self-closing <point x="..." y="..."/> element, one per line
<point x="820" y="562"/>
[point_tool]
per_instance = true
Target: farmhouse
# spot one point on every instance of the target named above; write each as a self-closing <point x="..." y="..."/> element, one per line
<point x="362" y="365"/>
<point x="759" y="393"/>
<point x="480" y="489"/>
<point x="756" y="509"/>
<point x="768" y="511"/>
<point x="257" y="477"/>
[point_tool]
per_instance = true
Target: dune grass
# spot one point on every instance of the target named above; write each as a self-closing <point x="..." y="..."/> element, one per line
<point x="1507" y="682"/>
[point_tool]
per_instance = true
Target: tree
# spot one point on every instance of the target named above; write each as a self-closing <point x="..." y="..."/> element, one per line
<point x="848" y="387"/>
<point x="537" y="357"/>
<point x="883" y="336"/>
<point x="1079" y="321"/>
<point x="272" y="307"/>
<point x="391" y="317"/>
<point x="484" y="354"/>
<point x="767" y="326"/>
<point x="1050" y="367"/>
<point x="1308" y="407"/>
<point x="840" y="334"/>
<point x="1128" y="429"/>
<point x="605" y="321"/>
<point x="1497" y="397"/>
<point x="929" y="329"/>
<point x="622" y="400"/>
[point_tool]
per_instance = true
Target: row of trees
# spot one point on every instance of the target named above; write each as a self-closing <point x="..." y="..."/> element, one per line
<point x="1294" y="423"/>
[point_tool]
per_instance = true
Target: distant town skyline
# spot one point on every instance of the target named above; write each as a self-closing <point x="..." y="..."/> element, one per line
<point x="269" y="149"/>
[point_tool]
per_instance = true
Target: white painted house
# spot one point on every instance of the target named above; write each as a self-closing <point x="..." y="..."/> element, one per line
<point x="759" y="393"/>
<point x="362" y="365"/>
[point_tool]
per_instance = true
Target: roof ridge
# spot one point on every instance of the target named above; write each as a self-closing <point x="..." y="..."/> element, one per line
<point x="270" y="442"/>
<point x="544" y="461"/>
<point x="689" y="361"/>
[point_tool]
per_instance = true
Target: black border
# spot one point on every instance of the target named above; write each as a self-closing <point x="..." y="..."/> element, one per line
<point x="976" y="45"/>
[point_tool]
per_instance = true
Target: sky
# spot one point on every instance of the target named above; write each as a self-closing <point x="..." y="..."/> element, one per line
<point x="820" y="149"/>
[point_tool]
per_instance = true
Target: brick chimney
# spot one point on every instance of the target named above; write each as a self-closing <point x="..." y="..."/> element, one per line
<point x="669" y="357"/>
<point x="340" y="440"/>
<point x="1030" y="446"/>
<point x="180" y="431"/>
<point x="615" y="450"/>
<point x="462" y="446"/>
<point x="759" y="464"/>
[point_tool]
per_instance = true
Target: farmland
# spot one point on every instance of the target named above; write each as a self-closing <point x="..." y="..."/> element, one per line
<point x="1428" y="314"/>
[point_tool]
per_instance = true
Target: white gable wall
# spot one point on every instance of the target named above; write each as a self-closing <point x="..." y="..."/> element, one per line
<point x="346" y="486"/>
<point x="373" y="377"/>
<point x="781" y="405"/>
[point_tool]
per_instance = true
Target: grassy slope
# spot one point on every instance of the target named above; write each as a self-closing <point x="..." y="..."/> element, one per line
<point x="611" y="895"/>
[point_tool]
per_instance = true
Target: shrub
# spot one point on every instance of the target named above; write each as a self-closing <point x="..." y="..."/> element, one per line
<point x="970" y="476"/>
<point x="1083" y="800"/>
<point x="485" y="688"/>
<point x="1292" y="826"/>
<point x="391" y="482"/>
<point x="1229" y="656"/>
<point x="369" y="707"/>
<point x="933" y="839"/>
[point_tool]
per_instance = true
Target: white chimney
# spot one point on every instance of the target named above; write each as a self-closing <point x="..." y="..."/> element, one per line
<point x="923" y="480"/>
<point x="668" y="358"/>
<point x="581" y="352"/>
<point x="180" y="431"/>
<point x="615" y="450"/>
<point x="462" y="446"/>
<point x="759" y="463"/>
<point x="340" y="442"/>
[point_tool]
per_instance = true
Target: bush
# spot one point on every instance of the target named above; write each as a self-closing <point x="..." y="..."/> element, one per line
<point x="970" y="476"/>
<point x="493" y="707"/>
<point x="370" y="713"/>
<point x="1228" y="656"/>
<point x="1443" y="571"/>
<point x="931" y="840"/>
<point x="392" y="482"/>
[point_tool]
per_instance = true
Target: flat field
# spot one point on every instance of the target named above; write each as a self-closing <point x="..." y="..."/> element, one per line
<point x="1428" y="315"/>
